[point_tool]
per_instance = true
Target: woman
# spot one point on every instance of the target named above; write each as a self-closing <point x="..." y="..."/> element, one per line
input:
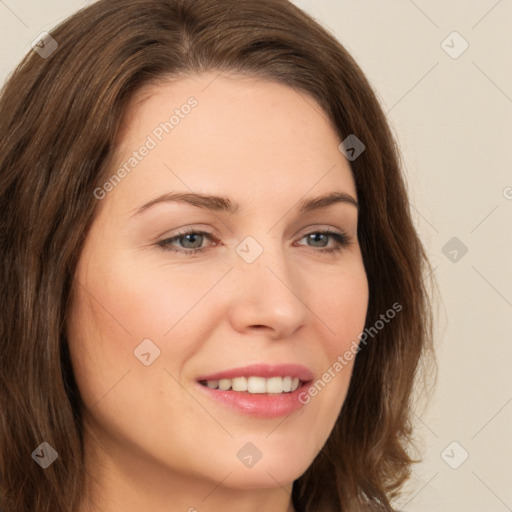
<point x="213" y="289"/>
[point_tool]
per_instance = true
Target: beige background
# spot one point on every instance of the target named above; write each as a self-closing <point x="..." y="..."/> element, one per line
<point x="453" y="119"/>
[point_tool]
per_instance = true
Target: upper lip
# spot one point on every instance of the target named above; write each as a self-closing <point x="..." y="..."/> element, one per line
<point x="263" y="370"/>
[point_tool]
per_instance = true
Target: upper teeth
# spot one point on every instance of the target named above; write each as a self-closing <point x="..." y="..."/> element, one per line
<point x="256" y="384"/>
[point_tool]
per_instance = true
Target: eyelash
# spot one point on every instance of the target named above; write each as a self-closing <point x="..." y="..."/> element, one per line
<point x="341" y="239"/>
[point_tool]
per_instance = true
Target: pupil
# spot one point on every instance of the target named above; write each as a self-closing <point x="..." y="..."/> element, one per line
<point x="315" y="237"/>
<point x="194" y="236"/>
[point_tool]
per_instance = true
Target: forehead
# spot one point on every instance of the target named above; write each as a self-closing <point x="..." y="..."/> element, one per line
<point x="212" y="133"/>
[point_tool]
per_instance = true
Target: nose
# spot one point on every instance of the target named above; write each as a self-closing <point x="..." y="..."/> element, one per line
<point x="269" y="296"/>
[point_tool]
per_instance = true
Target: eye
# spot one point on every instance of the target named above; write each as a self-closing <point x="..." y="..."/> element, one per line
<point x="191" y="242"/>
<point x="322" y="239"/>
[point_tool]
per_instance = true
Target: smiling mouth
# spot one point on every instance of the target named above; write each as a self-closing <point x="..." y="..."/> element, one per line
<point x="256" y="385"/>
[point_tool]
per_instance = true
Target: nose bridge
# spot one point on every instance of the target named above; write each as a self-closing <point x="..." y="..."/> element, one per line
<point x="269" y="293"/>
<point x="264" y="260"/>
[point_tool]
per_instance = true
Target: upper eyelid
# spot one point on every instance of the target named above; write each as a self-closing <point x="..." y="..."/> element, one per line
<point x="310" y="229"/>
<point x="329" y="231"/>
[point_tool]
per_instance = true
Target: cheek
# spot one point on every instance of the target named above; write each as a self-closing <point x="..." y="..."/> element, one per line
<point x="114" y="309"/>
<point x="342" y="306"/>
<point x="119" y="304"/>
<point x="146" y="300"/>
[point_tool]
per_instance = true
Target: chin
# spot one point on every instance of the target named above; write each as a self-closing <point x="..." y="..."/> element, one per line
<point x="274" y="472"/>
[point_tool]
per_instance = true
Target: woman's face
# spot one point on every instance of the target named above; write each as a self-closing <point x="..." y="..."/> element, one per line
<point x="150" y="320"/>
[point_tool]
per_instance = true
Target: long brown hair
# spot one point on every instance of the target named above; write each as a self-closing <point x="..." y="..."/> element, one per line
<point x="60" y="117"/>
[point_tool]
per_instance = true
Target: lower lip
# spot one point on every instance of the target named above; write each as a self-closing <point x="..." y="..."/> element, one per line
<point x="258" y="404"/>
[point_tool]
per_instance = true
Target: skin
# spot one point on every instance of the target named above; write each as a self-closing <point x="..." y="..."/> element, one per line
<point x="153" y="441"/>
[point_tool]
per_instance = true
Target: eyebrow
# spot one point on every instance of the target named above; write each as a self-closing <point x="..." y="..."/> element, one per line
<point x="224" y="204"/>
